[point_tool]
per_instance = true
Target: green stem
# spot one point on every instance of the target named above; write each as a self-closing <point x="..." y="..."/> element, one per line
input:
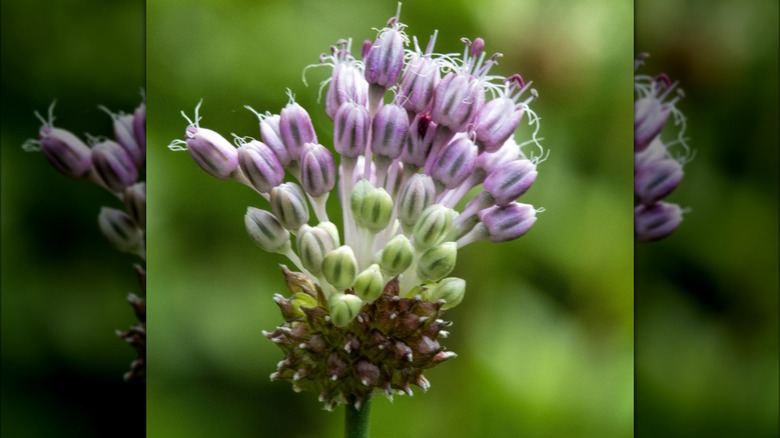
<point x="356" y="421"/>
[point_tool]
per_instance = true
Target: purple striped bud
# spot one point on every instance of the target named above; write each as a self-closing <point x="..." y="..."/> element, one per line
<point x="295" y="129"/>
<point x="457" y="100"/>
<point x="656" y="180"/>
<point x="260" y="165"/>
<point x="212" y="152"/>
<point x="313" y="245"/>
<point x="340" y="267"/>
<point x="135" y="203"/>
<point x="124" y="133"/>
<point x="66" y="152"/>
<point x="318" y="170"/>
<point x="438" y="261"/>
<point x="269" y="133"/>
<point x="113" y="165"/>
<point x="419" y="82"/>
<point x="510" y="181"/>
<point x="455" y="162"/>
<point x="654" y="152"/>
<point x="432" y="226"/>
<point x="265" y="230"/>
<point x="389" y="130"/>
<point x="350" y="129"/>
<point x="120" y="230"/>
<point x="422" y="132"/>
<point x="508" y="222"/>
<point x="385" y="58"/>
<point x="288" y="203"/>
<point x="656" y="221"/>
<point x="651" y="112"/>
<point x="497" y="120"/>
<point x="417" y="195"/>
<point x="490" y="161"/>
<point x="139" y="126"/>
<point x="347" y="83"/>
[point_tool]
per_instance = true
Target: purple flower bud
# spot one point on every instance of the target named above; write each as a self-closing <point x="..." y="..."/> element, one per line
<point x="417" y="195"/>
<point x="490" y="161"/>
<point x="418" y="83"/>
<point x="265" y="230"/>
<point x="288" y="203"/>
<point x="347" y="83"/>
<point x="651" y="112"/>
<point x="318" y="170"/>
<point x="457" y="100"/>
<point x="269" y="133"/>
<point x="389" y="131"/>
<point x="260" y="165"/>
<point x="504" y="223"/>
<point x="124" y="132"/>
<point x="497" y="120"/>
<point x="656" y="180"/>
<point x="113" y="165"/>
<point x="120" y="230"/>
<point x="656" y="221"/>
<point x="455" y="162"/>
<point x="66" y="152"/>
<point x="385" y="59"/>
<point x="510" y="181"/>
<point x="135" y="203"/>
<point x="422" y="132"/>
<point x="139" y="127"/>
<point x="212" y="152"/>
<point x="295" y="129"/>
<point x="654" y="152"/>
<point x="350" y="130"/>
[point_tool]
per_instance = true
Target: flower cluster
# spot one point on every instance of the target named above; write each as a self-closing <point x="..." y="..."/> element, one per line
<point x="657" y="171"/>
<point x="415" y="133"/>
<point x="117" y="165"/>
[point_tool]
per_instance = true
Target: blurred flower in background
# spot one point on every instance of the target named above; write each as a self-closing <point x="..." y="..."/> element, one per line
<point x="63" y="287"/>
<point x="546" y="328"/>
<point x="707" y="297"/>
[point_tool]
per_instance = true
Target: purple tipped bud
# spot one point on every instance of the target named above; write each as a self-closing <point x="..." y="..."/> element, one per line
<point x="656" y="221"/>
<point x="269" y="133"/>
<point x="496" y="122"/>
<point x="347" y="85"/>
<point x="123" y="132"/>
<point x="260" y="165"/>
<point x="422" y="132"/>
<point x="654" y="152"/>
<point x="212" y="152"/>
<point x="417" y="195"/>
<point x="389" y="131"/>
<point x="455" y="162"/>
<point x="66" y="152"/>
<point x="510" y="181"/>
<point x="350" y="129"/>
<point x="113" y="165"/>
<point x="120" y="230"/>
<point x="504" y="223"/>
<point x="650" y="116"/>
<point x="295" y="129"/>
<point x="490" y="161"/>
<point x="288" y="203"/>
<point x="432" y="226"/>
<point x="266" y="230"/>
<point x="438" y="261"/>
<point x="135" y="203"/>
<point x="385" y="59"/>
<point x="457" y="100"/>
<point x="418" y="83"/>
<point x="139" y="126"/>
<point x="313" y="245"/>
<point x="656" y="180"/>
<point x="318" y="170"/>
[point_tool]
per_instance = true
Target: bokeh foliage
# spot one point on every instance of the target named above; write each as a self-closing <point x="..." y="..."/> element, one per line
<point x="63" y="285"/>
<point x="545" y="333"/>
<point x="707" y="297"/>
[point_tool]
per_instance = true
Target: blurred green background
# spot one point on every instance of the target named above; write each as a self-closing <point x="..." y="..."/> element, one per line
<point x="545" y="333"/>
<point x="63" y="285"/>
<point x="707" y="297"/>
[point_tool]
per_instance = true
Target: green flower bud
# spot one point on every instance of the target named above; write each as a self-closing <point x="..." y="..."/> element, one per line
<point x="397" y="255"/>
<point x="432" y="226"/>
<point x="340" y="267"/>
<point x="450" y="289"/>
<point x="372" y="207"/>
<point x="369" y="284"/>
<point x="266" y="230"/>
<point x="313" y="244"/>
<point x="359" y="192"/>
<point x="438" y="261"/>
<point x="344" y="308"/>
<point x="332" y="229"/>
